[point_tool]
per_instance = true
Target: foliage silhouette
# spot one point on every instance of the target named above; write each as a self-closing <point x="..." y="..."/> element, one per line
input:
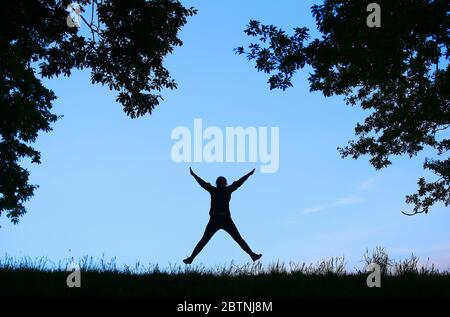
<point x="398" y="72"/>
<point x="125" y="51"/>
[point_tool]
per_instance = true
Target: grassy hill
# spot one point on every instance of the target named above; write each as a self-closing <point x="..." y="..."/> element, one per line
<point x="327" y="278"/>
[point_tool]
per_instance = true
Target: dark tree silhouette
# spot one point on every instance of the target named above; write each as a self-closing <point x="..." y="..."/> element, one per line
<point x="125" y="50"/>
<point x="399" y="72"/>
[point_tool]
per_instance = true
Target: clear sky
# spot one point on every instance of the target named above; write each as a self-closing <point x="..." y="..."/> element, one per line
<point x="108" y="184"/>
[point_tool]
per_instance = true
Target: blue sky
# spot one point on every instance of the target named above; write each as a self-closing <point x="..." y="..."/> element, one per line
<point x="108" y="185"/>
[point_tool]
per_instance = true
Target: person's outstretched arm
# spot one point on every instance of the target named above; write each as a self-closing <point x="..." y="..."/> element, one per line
<point x="241" y="181"/>
<point x="202" y="183"/>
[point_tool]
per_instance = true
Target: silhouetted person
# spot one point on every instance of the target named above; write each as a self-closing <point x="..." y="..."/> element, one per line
<point x="220" y="217"/>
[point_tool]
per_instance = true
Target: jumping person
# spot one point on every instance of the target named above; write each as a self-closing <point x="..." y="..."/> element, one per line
<point x="220" y="217"/>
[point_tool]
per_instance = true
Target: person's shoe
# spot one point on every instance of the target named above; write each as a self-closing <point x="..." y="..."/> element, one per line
<point x="187" y="260"/>
<point x="256" y="257"/>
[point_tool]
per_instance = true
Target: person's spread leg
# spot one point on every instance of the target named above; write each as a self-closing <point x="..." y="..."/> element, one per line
<point x="211" y="229"/>
<point x="232" y="230"/>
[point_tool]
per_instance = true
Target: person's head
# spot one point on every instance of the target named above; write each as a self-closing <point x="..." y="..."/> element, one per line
<point x="221" y="182"/>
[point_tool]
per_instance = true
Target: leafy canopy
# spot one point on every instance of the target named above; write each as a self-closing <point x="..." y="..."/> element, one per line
<point x="399" y="72"/>
<point x="125" y="51"/>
